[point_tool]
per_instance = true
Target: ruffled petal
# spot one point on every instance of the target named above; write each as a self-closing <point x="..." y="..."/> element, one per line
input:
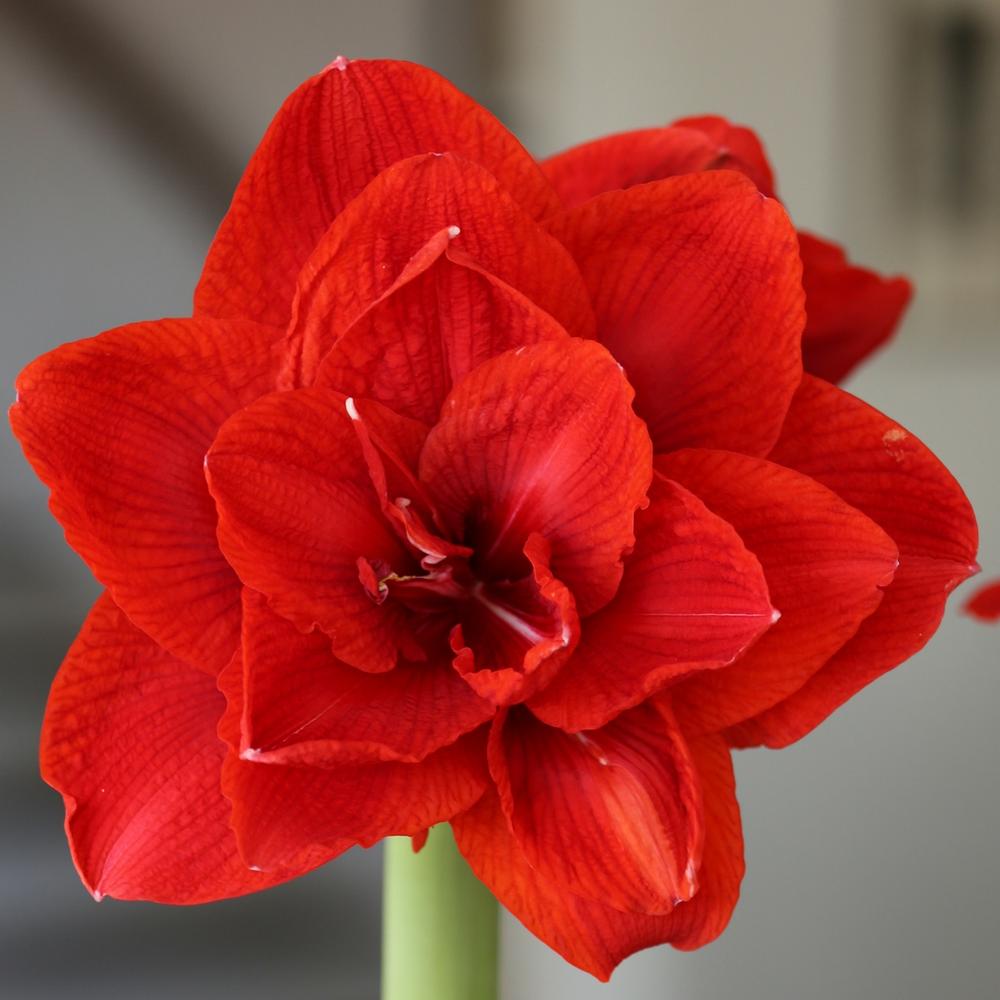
<point x="299" y="518"/>
<point x="590" y="934"/>
<point x="303" y="706"/>
<point x="826" y="565"/>
<point x="613" y="814"/>
<point x="516" y="635"/>
<point x="283" y="811"/>
<point x="884" y="471"/>
<point x="850" y="310"/>
<point x="332" y="136"/>
<point x="130" y="741"/>
<point x="117" y="426"/>
<point x="692" y="598"/>
<point x="417" y="273"/>
<point x="543" y="440"/>
<point x="620" y="161"/>
<point x="985" y="603"/>
<point x="697" y="286"/>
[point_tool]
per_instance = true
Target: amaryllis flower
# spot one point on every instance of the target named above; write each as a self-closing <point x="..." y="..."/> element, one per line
<point x="850" y="310"/>
<point x="459" y="500"/>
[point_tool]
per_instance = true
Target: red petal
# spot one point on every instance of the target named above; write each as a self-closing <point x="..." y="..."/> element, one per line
<point x="516" y="635"/>
<point x="613" y="814"/>
<point x="850" y="310"/>
<point x="281" y="811"/>
<point x="886" y="472"/>
<point x="738" y="147"/>
<point x="118" y="426"/>
<point x="621" y="161"/>
<point x="593" y="936"/>
<point x="332" y="136"/>
<point x="129" y="740"/>
<point x="696" y="283"/>
<point x="304" y="706"/>
<point x="433" y="244"/>
<point x="543" y="440"/>
<point x="692" y="598"/>
<point x="985" y="603"/>
<point x="297" y="511"/>
<point x="825" y="563"/>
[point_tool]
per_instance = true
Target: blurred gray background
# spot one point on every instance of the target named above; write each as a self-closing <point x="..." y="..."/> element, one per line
<point x="872" y="844"/>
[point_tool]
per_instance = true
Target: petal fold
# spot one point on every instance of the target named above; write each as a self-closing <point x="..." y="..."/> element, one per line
<point x="281" y="811"/>
<point x="130" y="741"/>
<point x="826" y="566"/>
<point x="588" y="933"/>
<point x="543" y="440"/>
<point x="692" y="598"/>
<point x="118" y="426"/>
<point x="299" y="515"/>
<point x="419" y="272"/>
<point x="887" y="473"/>
<point x="332" y="136"/>
<point x="613" y="814"/>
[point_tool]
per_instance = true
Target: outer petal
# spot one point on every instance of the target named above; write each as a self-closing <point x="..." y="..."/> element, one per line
<point x="593" y="936"/>
<point x="117" y="427"/>
<point x="886" y="472"/>
<point x="337" y="132"/>
<point x="692" y="598"/>
<point x="543" y="439"/>
<point x="738" y="147"/>
<point x="431" y="243"/>
<point x="281" y="812"/>
<point x="129" y="740"/>
<point x="614" y="814"/>
<point x="297" y="511"/>
<point x="304" y="706"/>
<point x="851" y="311"/>
<point x="985" y="603"/>
<point x="616" y="162"/>
<point x="696" y="283"/>
<point x="825" y="563"/>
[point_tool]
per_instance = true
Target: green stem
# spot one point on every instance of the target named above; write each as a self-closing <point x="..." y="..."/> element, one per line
<point x="439" y="924"/>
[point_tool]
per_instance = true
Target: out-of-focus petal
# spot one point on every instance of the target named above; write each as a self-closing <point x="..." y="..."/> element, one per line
<point x="590" y="934"/>
<point x="130" y="741"/>
<point x="620" y="161"/>
<point x="613" y="814"/>
<point x="298" y="517"/>
<point x="692" y="598"/>
<point x="543" y="440"/>
<point x="826" y="565"/>
<point x="333" y="136"/>
<point x="850" y="311"/>
<point x="985" y="603"/>
<point x="697" y="286"/>
<point x="884" y="471"/>
<point x="117" y="426"/>
<point x="418" y="263"/>
<point x="304" y="706"/>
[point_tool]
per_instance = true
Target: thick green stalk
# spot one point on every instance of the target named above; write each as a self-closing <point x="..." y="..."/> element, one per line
<point x="439" y="924"/>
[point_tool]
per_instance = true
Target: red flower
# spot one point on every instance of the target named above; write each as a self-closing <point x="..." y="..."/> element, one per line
<point x="383" y="515"/>
<point x="850" y="311"/>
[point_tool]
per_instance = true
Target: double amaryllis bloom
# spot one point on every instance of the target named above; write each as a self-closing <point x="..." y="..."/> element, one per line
<point x="484" y="491"/>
